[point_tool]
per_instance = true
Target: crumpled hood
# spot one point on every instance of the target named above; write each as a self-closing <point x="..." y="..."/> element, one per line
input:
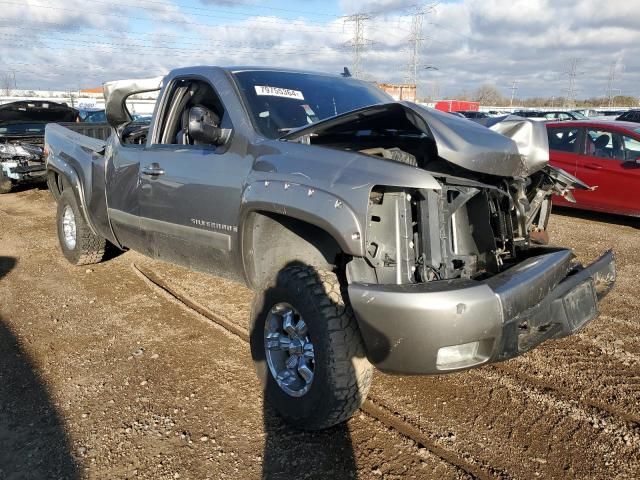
<point x="512" y="147"/>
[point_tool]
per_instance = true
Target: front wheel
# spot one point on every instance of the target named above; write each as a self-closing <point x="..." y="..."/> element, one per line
<point x="78" y="243"/>
<point x="307" y="349"/>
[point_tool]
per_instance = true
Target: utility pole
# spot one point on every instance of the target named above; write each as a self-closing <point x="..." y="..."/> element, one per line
<point x="358" y="41"/>
<point x="572" y="74"/>
<point x="514" y="89"/>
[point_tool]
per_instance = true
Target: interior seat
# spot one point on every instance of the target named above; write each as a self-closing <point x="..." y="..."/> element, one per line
<point x="601" y="145"/>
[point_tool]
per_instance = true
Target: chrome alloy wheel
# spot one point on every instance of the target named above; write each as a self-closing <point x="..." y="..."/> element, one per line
<point x="289" y="350"/>
<point x="69" y="227"/>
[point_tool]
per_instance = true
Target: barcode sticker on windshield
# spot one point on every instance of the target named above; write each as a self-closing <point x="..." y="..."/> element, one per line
<point x="278" y="92"/>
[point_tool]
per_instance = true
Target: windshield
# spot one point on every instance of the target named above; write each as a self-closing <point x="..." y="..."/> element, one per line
<point x="579" y="116"/>
<point x="96" y="117"/>
<point x="282" y="101"/>
<point x="22" y="129"/>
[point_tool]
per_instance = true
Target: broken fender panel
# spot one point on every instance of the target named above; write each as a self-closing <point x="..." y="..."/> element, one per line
<point x="517" y="148"/>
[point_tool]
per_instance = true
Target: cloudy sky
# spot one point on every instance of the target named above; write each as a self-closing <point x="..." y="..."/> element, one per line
<point x="67" y="44"/>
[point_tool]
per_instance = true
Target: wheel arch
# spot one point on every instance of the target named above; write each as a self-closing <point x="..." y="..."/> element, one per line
<point x="66" y="178"/>
<point x="271" y="241"/>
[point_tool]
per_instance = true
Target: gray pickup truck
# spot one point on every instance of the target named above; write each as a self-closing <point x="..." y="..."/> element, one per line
<point x="375" y="233"/>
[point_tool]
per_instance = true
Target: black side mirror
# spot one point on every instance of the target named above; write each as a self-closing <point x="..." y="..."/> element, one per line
<point x="204" y="127"/>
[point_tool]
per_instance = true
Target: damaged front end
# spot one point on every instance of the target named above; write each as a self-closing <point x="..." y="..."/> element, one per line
<point x="22" y="127"/>
<point x="459" y="276"/>
<point x="22" y="160"/>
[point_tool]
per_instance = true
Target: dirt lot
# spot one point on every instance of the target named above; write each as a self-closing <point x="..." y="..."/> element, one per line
<point x="103" y="374"/>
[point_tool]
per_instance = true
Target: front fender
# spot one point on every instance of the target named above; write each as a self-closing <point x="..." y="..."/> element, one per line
<point x="309" y="204"/>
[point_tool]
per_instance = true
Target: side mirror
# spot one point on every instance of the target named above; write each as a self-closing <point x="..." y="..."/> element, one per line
<point x="204" y="127"/>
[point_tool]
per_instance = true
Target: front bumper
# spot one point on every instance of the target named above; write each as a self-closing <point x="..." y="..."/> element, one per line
<point x="545" y="296"/>
<point x="16" y="171"/>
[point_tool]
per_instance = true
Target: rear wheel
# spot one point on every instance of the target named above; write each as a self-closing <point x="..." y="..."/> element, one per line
<point x="307" y="349"/>
<point x="78" y="243"/>
<point x="5" y="182"/>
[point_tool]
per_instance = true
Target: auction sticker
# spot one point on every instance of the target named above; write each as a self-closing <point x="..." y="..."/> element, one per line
<point x="278" y="92"/>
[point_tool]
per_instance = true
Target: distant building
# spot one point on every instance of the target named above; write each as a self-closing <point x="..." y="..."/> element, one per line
<point x="457" y="105"/>
<point x="400" y="91"/>
<point x="92" y="92"/>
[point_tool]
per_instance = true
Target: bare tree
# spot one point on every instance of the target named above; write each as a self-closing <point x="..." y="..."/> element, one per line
<point x="489" y="95"/>
<point x="7" y="84"/>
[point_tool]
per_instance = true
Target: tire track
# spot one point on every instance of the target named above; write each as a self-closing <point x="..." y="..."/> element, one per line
<point x="625" y="430"/>
<point x="562" y="394"/>
<point x="372" y="407"/>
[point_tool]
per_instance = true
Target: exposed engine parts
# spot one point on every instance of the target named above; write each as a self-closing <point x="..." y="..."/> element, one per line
<point x="467" y="229"/>
<point x="20" y="151"/>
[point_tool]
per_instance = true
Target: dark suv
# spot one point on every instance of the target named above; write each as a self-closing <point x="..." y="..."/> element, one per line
<point x="630" y="116"/>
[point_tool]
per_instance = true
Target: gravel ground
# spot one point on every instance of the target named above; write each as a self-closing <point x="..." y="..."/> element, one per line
<point x="103" y="375"/>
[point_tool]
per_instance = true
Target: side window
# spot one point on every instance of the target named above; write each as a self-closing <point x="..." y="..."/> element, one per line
<point x="563" y="139"/>
<point x="631" y="149"/>
<point x="604" y="144"/>
<point x="186" y="97"/>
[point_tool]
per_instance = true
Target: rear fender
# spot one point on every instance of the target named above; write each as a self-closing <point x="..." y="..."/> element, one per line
<point x="71" y="179"/>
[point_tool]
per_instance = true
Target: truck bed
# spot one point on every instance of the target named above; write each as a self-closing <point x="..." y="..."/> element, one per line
<point x="91" y="136"/>
<point x="99" y="131"/>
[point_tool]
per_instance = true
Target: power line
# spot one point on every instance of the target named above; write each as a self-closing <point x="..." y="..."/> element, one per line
<point x="279" y="27"/>
<point x="240" y="3"/>
<point x="358" y="42"/>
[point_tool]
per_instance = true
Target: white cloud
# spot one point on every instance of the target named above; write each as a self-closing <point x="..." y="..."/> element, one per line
<point x="471" y="42"/>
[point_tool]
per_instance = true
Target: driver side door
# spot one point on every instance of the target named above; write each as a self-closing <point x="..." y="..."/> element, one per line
<point x="190" y="193"/>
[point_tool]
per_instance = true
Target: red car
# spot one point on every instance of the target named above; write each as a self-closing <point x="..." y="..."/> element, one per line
<point x="602" y="153"/>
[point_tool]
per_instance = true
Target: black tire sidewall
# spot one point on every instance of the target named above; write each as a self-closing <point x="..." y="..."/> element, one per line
<point x="308" y="411"/>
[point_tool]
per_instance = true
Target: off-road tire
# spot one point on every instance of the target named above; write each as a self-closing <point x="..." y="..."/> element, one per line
<point x="342" y="374"/>
<point x="89" y="248"/>
<point x="5" y="183"/>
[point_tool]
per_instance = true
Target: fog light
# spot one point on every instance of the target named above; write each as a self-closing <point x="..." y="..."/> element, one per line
<point x="456" y="355"/>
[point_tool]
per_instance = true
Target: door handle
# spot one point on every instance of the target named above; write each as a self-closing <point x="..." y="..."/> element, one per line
<point x="154" y="170"/>
<point x="593" y="166"/>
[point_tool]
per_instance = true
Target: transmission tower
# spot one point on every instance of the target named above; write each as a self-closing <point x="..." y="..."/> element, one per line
<point x="610" y="82"/>
<point x="358" y="42"/>
<point x="572" y="73"/>
<point x="514" y="89"/>
<point x="415" y="43"/>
